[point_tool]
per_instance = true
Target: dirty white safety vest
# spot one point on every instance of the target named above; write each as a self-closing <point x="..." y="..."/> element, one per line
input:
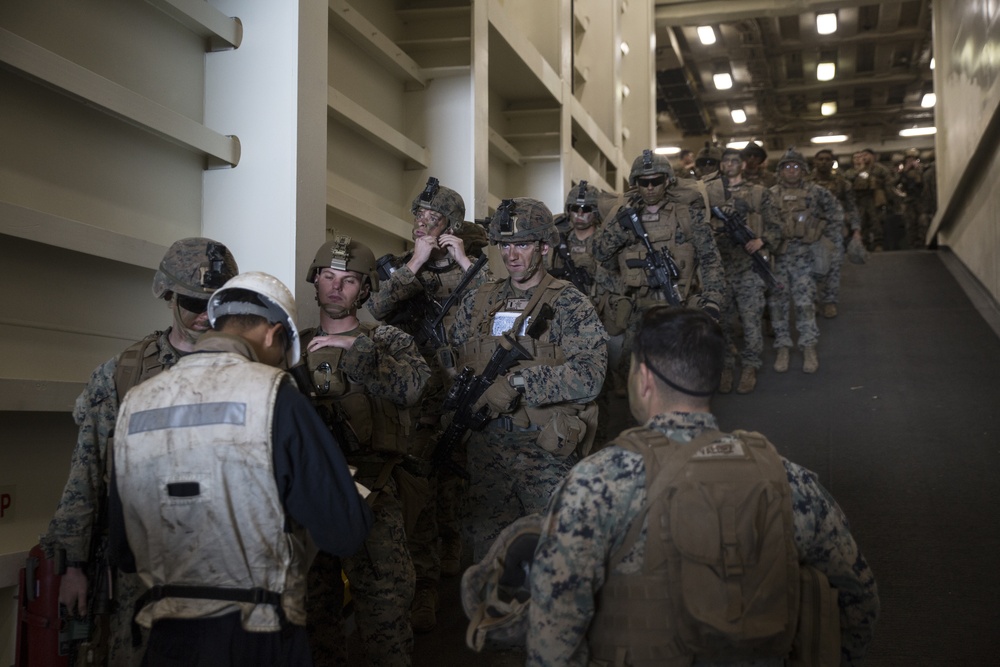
<point x="194" y="468"/>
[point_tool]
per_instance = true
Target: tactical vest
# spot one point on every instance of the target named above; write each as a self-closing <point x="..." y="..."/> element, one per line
<point x="755" y="221"/>
<point x="670" y="226"/>
<point x="447" y="276"/>
<point x="797" y="219"/>
<point x="140" y="361"/>
<point x="720" y="573"/>
<point x="376" y="423"/>
<point x="565" y="427"/>
<point x="206" y="522"/>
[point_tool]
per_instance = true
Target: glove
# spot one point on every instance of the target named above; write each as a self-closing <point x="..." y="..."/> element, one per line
<point x="712" y="310"/>
<point x="500" y="397"/>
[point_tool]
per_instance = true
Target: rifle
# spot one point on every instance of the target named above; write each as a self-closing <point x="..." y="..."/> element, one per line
<point x="569" y="270"/>
<point x="422" y="315"/>
<point x="740" y="234"/>
<point x="469" y="387"/>
<point x="661" y="269"/>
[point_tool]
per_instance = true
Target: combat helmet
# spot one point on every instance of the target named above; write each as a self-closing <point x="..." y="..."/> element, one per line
<point x="753" y="148"/>
<point x="445" y="201"/>
<point x="194" y="267"/>
<point x="523" y="219"/>
<point x="650" y="164"/>
<point x="707" y="154"/>
<point x="496" y="591"/>
<point x="278" y="306"/>
<point x="792" y="155"/>
<point x="345" y="254"/>
<point x="582" y="194"/>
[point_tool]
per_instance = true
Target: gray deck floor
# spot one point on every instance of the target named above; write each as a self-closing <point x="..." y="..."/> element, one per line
<point x="902" y="424"/>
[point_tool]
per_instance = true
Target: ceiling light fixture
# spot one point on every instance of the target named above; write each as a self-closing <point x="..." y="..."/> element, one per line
<point x="739" y="115"/>
<point x="932" y="63"/>
<point x="706" y="34"/>
<point x="723" y="80"/>
<point x="828" y="108"/>
<point x="738" y="145"/>
<point x="826" y="71"/>
<point x="667" y="150"/>
<point x="626" y="91"/>
<point x="929" y="100"/>
<point x="830" y="139"/>
<point x="624" y="48"/>
<point x="917" y="131"/>
<point x="826" y="24"/>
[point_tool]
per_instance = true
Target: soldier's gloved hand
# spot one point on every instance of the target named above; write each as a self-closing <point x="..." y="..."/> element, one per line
<point x="712" y="310"/>
<point x="501" y="398"/>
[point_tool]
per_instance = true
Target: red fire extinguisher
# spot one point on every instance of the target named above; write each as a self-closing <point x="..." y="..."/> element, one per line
<point x="44" y="636"/>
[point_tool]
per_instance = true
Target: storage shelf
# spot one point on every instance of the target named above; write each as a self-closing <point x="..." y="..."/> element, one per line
<point x="359" y="205"/>
<point x="376" y="130"/>
<point x="376" y="44"/>
<point x="78" y="236"/>
<point x="79" y="83"/>
<point x="221" y="32"/>
<point x="503" y="148"/>
<point x="515" y="45"/>
<point x="38" y="395"/>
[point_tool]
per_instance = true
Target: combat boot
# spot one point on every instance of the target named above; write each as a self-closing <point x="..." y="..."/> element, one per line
<point x="810" y="362"/>
<point x="451" y="555"/>
<point x="748" y="380"/>
<point x="829" y="310"/>
<point x="726" y="383"/>
<point x="781" y="361"/>
<point x="423" y="611"/>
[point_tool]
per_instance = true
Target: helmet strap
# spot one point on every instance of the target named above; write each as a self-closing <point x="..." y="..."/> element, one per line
<point x="189" y="336"/>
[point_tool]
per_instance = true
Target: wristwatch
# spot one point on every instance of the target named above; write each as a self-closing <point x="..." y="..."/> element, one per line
<point x="517" y="382"/>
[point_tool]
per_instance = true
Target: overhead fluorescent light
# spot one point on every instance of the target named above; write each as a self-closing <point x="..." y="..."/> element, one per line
<point x="667" y="150"/>
<point x="739" y="115"/>
<point x="917" y="131"/>
<point x="723" y="80"/>
<point x="828" y="108"/>
<point x="624" y="48"/>
<point x="830" y="139"/>
<point x="826" y="24"/>
<point x="738" y="145"/>
<point x="929" y="100"/>
<point x="932" y="63"/>
<point x="826" y="71"/>
<point x="706" y="34"/>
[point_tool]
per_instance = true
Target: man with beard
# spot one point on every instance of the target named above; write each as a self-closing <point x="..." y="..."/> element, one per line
<point x="809" y="213"/>
<point x="365" y="380"/>
<point x="191" y="270"/>
<point x="442" y="243"/>
<point x="541" y="412"/>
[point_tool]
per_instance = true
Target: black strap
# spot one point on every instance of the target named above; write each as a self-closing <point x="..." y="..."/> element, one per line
<point x="250" y="595"/>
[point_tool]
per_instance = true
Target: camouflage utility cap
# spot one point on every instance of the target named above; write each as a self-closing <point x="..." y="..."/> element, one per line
<point x="651" y="164"/>
<point x="523" y="219"/>
<point x="447" y="202"/>
<point x="344" y="254"/>
<point x="194" y="267"/>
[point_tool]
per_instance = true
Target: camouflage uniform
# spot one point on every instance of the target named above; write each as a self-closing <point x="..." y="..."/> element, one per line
<point x="871" y="195"/>
<point x="191" y="268"/>
<point x="746" y="289"/>
<point x="386" y="363"/>
<point x="438" y="513"/>
<point x="605" y="492"/>
<point x="839" y="187"/>
<point x="794" y="262"/>
<point x="910" y="187"/>
<point x="510" y="474"/>
<point x="72" y="528"/>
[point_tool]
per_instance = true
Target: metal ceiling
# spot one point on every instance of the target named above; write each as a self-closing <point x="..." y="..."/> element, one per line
<point x="771" y="48"/>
